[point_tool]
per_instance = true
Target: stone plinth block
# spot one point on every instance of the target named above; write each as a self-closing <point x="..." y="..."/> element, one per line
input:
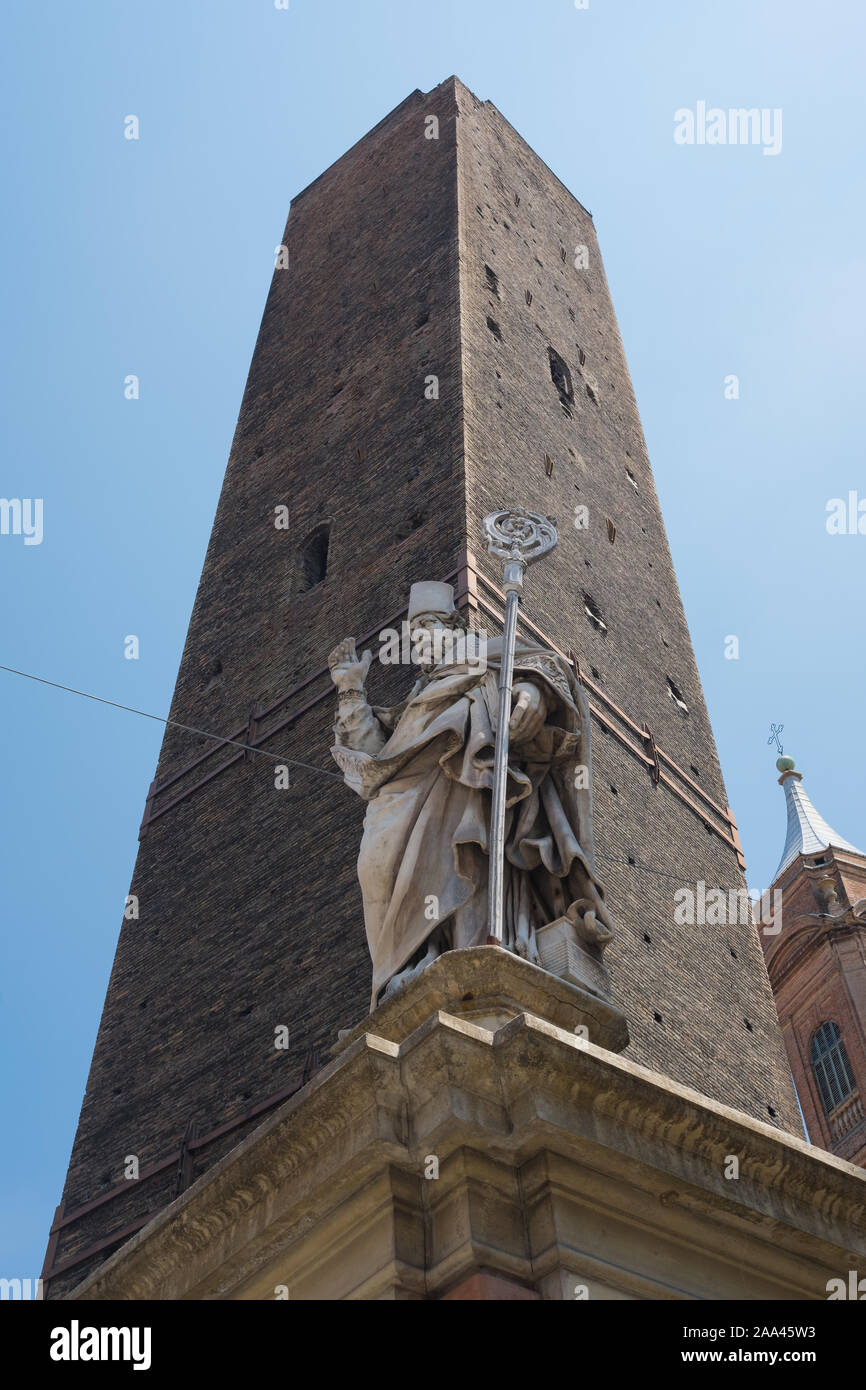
<point x="562" y="953"/>
<point x="488" y="985"/>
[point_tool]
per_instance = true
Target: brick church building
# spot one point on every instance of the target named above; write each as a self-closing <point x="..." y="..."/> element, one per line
<point x="817" y="968"/>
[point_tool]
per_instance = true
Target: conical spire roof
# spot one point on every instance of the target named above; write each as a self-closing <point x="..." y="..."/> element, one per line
<point x="808" y="832"/>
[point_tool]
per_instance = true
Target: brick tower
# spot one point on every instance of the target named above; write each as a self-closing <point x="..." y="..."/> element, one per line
<point x="440" y="246"/>
<point x="817" y="968"/>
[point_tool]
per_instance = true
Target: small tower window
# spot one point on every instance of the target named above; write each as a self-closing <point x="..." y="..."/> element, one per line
<point x="831" y="1067"/>
<point x="561" y="378"/>
<point x="313" y="559"/>
<point x="593" y="612"/>
<point x="676" y="695"/>
<point x="213" y="674"/>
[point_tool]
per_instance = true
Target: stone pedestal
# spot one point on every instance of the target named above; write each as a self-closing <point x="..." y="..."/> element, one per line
<point x="486" y="1151"/>
<point x="489" y="986"/>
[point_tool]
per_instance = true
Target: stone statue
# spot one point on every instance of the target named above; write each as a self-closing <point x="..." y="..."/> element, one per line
<point x="425" y="768"/>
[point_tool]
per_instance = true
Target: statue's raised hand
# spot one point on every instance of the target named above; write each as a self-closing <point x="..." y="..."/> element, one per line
<point x="348" y="671"/>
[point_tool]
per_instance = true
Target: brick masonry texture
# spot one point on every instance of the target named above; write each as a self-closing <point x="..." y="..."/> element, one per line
<point x="250" y="911"/>
<point x="518" y="219"/>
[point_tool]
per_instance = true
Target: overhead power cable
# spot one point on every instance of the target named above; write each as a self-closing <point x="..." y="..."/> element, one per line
<point x="175" y="723"/>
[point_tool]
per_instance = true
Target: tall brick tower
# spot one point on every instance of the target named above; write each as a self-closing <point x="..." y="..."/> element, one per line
<point x="817" y="968"/>
<point x="440" y="246"/>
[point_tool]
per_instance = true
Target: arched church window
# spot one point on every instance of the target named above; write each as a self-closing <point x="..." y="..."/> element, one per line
<point x="831" y="1067"/>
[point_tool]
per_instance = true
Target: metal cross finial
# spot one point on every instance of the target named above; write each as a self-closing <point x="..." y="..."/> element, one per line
<point x="775" y="736"/>
<point x="518" y="538"/>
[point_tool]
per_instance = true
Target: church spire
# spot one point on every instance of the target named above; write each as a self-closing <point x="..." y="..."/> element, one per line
<point x="808" y="832"/>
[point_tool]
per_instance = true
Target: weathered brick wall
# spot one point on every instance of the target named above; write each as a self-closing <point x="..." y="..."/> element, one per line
<point x="519" y="220"/>
<point x="250" y="912"/>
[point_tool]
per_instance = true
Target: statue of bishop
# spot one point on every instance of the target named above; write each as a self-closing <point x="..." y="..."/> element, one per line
<point x="425" y="769"/>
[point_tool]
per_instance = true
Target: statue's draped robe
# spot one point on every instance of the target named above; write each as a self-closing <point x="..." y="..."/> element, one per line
<point x="423" y="859"/>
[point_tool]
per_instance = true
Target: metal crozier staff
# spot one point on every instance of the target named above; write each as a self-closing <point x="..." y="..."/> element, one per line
<point x="518" y="538"/>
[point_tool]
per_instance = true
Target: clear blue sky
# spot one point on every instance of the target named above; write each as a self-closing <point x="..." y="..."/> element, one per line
<point x="154" y="257"/>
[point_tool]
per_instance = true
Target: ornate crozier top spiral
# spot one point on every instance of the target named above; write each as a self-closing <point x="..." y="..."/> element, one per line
<point x="523" y="536"/>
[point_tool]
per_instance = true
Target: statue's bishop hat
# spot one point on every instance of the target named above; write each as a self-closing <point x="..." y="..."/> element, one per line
<point x="431" y="597"/>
